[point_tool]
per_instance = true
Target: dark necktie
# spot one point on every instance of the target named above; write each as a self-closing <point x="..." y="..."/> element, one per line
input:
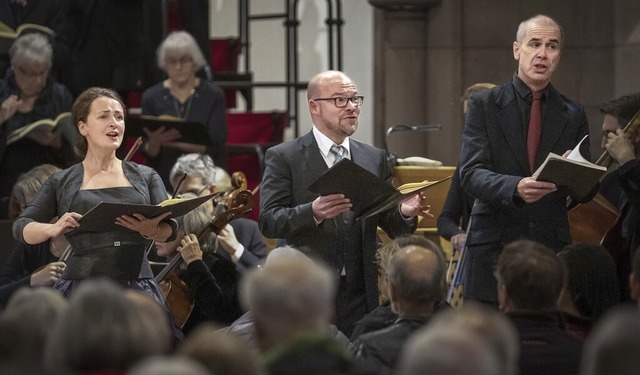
<point x="339" y="153"/>
<point x="535" y="128"/>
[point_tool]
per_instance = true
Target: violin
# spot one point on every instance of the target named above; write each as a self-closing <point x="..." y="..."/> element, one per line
<point x="235" y="204"/>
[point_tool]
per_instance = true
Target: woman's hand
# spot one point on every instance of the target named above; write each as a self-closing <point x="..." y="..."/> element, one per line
<point x="190" y="248"/>
<point x="48" y="275"/>
<point x="64" y="224"/>
<point x="9" y="107"/>
<point x="416" y="205"/>
<point x="148" y="228"/>
<point x="158" y="138"/>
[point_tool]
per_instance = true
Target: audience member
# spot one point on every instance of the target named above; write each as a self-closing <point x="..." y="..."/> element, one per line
<point x="292" y="301"/>
<point x="185" y="96"/>
<point x="155" y="317"/>
<point x="240" y="239"/>
<point x="447" y="351"/>
<point x="220" y="352"/>
<point x="29" y="317"/>
<point x="620" y="186"/>
<point x="168" y="365"/>
<point x="383" y="316"/>
<point x="324" y="226"/>
<point x="454" y="218"/>
<point x="27" y="95"/>
<point x="590" y="286"/>
<point x="491" y="326"/>
<point x="115" y="253"/>
<point x="416" y="282"/>
<point x="614" y="345"/>
<point x="530" y="278"/>
<point x="101" y="331"/>
<point x="499" y="157"/>
<point x="31" y="265"/>
<point x="243" y="327"/>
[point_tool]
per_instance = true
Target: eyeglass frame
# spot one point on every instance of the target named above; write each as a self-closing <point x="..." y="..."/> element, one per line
<point x="31" y="75"/>
<point x="358" y="98"/>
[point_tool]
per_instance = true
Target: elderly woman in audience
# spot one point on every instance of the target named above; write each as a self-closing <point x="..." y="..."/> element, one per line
<point x="27" y="95"/>
<point x="185" y="96"/>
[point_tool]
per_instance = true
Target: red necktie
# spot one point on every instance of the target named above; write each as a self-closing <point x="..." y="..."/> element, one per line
<point x="535" y="128"/>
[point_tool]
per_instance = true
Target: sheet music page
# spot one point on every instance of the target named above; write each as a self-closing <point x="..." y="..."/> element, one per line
<point x="575" y="153"/>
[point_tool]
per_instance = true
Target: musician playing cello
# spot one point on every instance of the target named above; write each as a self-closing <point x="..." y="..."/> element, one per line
<point x="622" y="185"/>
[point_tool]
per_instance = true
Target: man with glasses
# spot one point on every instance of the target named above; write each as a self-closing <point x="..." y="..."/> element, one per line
<point x="321" y="226"/>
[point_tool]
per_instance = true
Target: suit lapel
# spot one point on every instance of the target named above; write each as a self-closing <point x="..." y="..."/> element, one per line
<point x="314" y="163"/>
<point x="511" y="125"/>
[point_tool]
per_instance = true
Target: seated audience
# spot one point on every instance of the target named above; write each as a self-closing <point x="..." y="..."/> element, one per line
<point x="496" y="330"/>
<point x="101" y="331"/>
<point x="613" y="348"/>
<point x="292" y="302"/>
<point x="240" y="240"/>
<point x="27" y="95"/>
<point x="185" y="96"/>
<point x="590" y="286"/>
<point x="26" y="323"/>
<point x="383" y="316"/>
<point x="444" y="350"/>
<point x="530" y="278"/>
<point x="415" y="283"/>
<point x="31" y="265"/>
<point x="168" y="365"/>
<point x="244" y="326"/>
<point x="220" y="352"/>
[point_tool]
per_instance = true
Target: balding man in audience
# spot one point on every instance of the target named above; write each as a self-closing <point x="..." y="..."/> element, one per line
<point x="415" y="283"/>
<point x="530" y="278"/>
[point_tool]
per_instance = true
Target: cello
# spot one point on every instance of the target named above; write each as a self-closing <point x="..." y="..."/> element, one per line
<point x="235" y="204"/>
<point x="598" y="221"/>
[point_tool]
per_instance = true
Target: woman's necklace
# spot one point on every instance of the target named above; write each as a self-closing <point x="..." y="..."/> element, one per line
<point x="181" y="111"/>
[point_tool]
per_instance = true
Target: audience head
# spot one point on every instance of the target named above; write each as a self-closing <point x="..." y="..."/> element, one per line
<point x="415" y="281"/>
<point x="31" y="57"/>
<point x="29" y="318"/>
<point x="220" y="352"/>
<point x="179" y="47"/>
<point x="617" y="114"/>
<point x="386" y="252"/>
<point x="550" y="36"/>
<point x="613" y="348"/>
<point x="287" y="297"/>
<point x="27" y="186"/>
<point x="168" y="365"/>
<point x="102" y="330"/>
<point x="530" y="277"/>
<point x="82" y="109"/>
<point x="438" y="350"/>
<point x="498" y="332"/>
<point x="334" y="104"/>
<point x="590" y="279"/>
<point x="476" y="87"/>
<point x="155" y="317"/>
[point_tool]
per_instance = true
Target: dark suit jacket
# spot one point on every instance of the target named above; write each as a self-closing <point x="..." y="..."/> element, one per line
<point x="494" y="160"/>
<point x="285" y="211"/>
<point x="454" y="217"/>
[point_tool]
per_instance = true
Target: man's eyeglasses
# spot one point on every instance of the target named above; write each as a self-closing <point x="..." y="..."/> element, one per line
<point x="341" y="102"/>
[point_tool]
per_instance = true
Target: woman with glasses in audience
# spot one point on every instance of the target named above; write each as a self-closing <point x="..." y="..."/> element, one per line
<point x="185" y="96"/>
<point x="28" y="94"/>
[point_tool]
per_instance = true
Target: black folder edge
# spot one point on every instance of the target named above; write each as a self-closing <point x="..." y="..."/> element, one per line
<point x="350" y="179"/>
<point x="102" y="217"/>
<point x="190" y="131"/>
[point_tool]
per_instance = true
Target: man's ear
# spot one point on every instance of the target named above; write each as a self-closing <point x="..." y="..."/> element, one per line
<point x="504" y="302"/>
<point x="212" y="188"/>
<point x="516" y="51"/>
